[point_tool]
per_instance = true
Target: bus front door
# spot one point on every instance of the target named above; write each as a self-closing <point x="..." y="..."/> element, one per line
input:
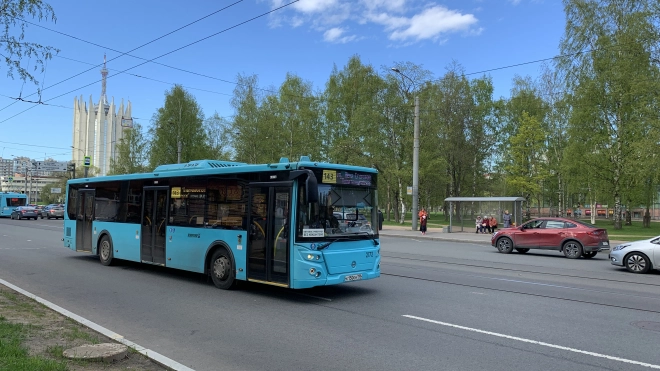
<point x="84" y="218"/>
<point x="154" y="224"/>
<point x="268" y="233"/>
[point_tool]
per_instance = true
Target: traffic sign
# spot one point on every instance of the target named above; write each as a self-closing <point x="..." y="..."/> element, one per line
<point x="51" y="165"/>
<point x="88" y="161"/>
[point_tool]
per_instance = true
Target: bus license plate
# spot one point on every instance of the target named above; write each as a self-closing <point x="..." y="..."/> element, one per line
<point x="353" y="277"/>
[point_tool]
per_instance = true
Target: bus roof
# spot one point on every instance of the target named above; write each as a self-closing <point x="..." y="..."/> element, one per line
<point x="210" y="167"/>
<point x="13" y="194"/>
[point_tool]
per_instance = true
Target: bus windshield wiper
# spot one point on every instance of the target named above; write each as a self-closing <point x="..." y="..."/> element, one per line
<point x="368" y="234"/>
<point x="324" y="245"/>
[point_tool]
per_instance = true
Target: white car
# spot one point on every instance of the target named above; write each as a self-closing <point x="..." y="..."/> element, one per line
<point x="638" y="256"/>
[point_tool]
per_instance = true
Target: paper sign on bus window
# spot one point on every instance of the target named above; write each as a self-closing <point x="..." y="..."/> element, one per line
<point x="329" y="176"/>
<point x="313" y="232"/>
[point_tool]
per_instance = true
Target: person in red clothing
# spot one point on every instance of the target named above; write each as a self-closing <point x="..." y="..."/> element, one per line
<point x="493" y="224"/>
<point x="422" y="223"/>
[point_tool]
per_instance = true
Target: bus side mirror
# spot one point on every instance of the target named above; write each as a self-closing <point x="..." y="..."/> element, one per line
<point x="312" y="187"/>
<point x="311" y="184"/>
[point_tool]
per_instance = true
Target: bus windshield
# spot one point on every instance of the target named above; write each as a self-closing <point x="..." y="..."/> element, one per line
<point x="342" y="210"/>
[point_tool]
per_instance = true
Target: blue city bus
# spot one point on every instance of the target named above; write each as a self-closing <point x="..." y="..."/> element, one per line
<point x="11" y="200"/>
<point x="275" y="223"/>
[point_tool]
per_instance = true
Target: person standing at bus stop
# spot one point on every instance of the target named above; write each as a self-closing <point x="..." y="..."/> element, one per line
<point x="422" y="223"/>
<point x="506" y="218"/>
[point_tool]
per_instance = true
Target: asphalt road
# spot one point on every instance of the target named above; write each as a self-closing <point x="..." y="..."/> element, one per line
<point x="438" y="306"/>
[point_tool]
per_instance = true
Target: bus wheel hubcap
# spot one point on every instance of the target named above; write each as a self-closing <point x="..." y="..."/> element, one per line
<point x="221" y="267"/>
<point x="105" y="250"/>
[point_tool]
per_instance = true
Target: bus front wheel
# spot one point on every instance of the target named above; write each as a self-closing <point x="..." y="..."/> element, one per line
<point x="105" y="251"/>
<point x="222" y="270"/>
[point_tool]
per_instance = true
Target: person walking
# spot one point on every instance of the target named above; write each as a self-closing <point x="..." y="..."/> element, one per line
<point x="380" y="220"/>
<point x="506" y="218"/>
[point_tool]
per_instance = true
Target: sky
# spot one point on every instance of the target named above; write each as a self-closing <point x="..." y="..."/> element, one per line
<point x="306" y="38"/>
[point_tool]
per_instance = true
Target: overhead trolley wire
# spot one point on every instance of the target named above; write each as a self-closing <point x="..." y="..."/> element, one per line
<point x="124" y="53"/>
<point x="168" y="53"/>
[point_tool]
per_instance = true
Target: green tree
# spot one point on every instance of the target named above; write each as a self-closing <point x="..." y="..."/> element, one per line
<point x="248" y="129"/>
<point x="614" y="87"/>
<point x="178" y="125"/>
<point x="218" y="130"/>
<point x="528" y="166"/>
<point x="51" y="198"/>
<point x="13" y="47"/>
<point x="131" y="153"/>
<point x="298" y="112"/>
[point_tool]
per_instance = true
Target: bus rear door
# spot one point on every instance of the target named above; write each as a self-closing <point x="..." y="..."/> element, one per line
<point x="268" y="233"/>
<point x="84" y="218"/>
<point x="154" y="224"/>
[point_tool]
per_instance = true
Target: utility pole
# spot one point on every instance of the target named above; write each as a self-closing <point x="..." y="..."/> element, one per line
<point x="415" y="186"/>
<point x="415" y="201"/>
<point x="26" y="188"/>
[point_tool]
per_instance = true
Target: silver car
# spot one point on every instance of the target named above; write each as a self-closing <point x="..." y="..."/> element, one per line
<point x="56" y="212"/>
<point x="638" y="256"/>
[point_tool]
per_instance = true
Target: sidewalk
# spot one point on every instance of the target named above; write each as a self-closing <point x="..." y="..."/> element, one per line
<point x="436" y="234"/>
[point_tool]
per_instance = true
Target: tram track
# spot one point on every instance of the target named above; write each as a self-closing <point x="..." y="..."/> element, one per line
<point x="522" y="293"/>
<point x="522" y="271"/>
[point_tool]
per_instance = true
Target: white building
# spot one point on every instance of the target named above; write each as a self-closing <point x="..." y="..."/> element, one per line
<point x="97" y="128"/>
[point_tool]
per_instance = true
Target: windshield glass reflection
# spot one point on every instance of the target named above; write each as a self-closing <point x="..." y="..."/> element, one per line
<point x="341" y="211"/>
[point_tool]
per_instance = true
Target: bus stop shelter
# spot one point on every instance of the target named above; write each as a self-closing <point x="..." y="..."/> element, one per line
<point x="463" y="211"/>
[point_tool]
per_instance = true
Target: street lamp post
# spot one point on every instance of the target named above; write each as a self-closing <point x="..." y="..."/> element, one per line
<point x="415" y="186"/>
<point x="86" y="168"/>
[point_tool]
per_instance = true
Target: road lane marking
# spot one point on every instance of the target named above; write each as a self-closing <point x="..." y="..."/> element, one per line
<point x="157" y="357"/>
<point x="535" y="342"/>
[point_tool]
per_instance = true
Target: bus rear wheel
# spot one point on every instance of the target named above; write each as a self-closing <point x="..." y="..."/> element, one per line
<point x="222" y="270"/>
<point x="105" y="251"/>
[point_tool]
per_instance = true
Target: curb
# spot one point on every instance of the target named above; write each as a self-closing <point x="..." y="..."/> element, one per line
<point x="154" y="356"/>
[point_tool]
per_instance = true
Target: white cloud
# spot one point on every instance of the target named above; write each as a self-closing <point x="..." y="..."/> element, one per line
<point x="432" y="22"/>
<point x="314" y="6"/>
<point x="334" y="35"/>
<point x="401" y="22"/>
<point x="391" y="5"/>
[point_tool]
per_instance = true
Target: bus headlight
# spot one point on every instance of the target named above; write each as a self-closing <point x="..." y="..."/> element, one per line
<point x="312" y="271"/>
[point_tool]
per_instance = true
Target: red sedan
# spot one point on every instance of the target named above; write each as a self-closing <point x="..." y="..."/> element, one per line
<point x="573" y="237"/>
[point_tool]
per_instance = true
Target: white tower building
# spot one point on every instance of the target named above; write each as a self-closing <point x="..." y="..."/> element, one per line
<point x="97" y="128"/>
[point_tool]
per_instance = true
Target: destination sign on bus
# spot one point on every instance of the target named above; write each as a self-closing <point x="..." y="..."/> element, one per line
<point x="346" y="177"/>
<point x="183" y="192"/>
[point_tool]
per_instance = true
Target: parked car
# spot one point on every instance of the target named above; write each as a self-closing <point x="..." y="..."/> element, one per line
<point x="54" y="212"/>
<point x="637" y="256"/>
<point x="572" y="237"/>
<point x="24" y="212"/>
